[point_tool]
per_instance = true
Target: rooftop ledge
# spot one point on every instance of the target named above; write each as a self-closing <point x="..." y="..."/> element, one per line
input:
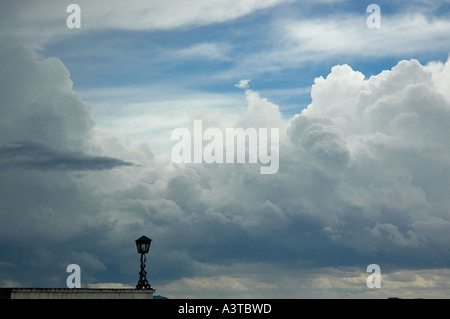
<point x="75" y="293"/>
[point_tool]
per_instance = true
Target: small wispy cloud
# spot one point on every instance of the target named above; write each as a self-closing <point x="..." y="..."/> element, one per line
<point x="243" y="84"/>
<point x="206" y="50"/>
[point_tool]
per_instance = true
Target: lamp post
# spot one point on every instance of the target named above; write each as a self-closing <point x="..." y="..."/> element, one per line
<point x="143" y="246"/>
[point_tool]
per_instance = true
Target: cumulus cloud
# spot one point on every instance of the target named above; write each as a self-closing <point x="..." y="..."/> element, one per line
<point x="383" y="139"/>
<point x="38" y="103"/>
<point x="356" y="177"/>
<point x="441" y="76"/>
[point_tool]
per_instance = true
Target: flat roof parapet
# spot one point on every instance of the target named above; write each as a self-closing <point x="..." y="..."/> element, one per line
<point x="75" y="293"/>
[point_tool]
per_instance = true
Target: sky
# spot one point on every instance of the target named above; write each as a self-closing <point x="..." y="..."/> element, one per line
<point x="364" y="157"/>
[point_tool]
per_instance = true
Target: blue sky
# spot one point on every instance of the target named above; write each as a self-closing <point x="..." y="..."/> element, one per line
<point x="213" y="57"/>
<point x="363" y="116"/>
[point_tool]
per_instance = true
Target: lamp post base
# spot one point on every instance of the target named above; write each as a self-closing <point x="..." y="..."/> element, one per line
<point x="143" y="283"/>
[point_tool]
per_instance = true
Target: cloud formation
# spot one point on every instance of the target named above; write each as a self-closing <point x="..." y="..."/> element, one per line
<point x="363" y="176"/>
<point x="301" y="40"/>
<point x="136" y="15"/>
<point x="32" y="155"/>
<point x="372" y="141"/>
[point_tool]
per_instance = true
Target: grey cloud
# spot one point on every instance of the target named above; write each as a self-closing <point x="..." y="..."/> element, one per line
<point x="38" y="103"/>
<point x="31" y="155"/>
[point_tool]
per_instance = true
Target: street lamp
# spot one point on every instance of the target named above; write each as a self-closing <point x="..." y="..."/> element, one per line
<point x="143" y="246"/>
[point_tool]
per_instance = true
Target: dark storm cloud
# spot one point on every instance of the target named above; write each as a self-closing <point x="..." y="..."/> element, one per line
<point x="32" y="155"/>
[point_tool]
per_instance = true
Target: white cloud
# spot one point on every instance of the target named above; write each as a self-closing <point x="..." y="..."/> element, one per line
<point x="304" y="40"/>
<point x="139" y="15"/>
<point x="210" y="51"/>
<point x="243" y="84"/>
<point x="441" y="76"/>
<point x="135" y="15"/>
<point x="381" y="131"/>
